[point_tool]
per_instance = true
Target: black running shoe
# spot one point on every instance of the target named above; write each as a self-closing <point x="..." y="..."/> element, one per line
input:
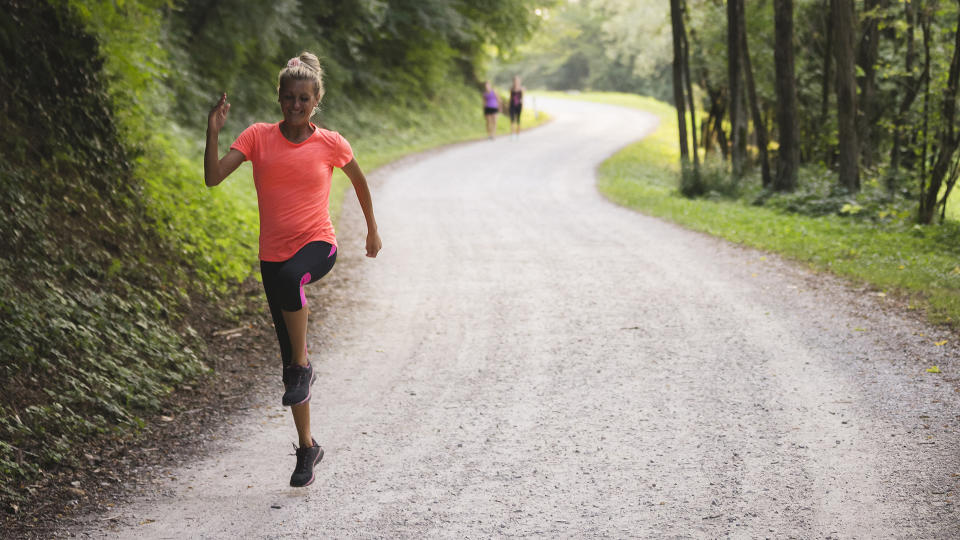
<point x="297" y="381"/>
<point x="306" y="458"/>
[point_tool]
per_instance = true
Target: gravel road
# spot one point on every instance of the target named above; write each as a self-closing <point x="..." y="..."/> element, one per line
<point x="527" y="359"/>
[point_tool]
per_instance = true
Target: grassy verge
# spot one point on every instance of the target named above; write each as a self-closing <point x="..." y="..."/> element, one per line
<point x="922" y="263"/>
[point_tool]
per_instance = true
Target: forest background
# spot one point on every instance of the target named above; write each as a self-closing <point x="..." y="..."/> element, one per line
<point x="114" y="262"/>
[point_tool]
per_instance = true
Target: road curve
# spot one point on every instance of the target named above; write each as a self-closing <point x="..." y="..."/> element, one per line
<point x="527" y="359"/>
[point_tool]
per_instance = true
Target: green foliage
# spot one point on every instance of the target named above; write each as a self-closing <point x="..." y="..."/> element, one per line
<point x="596" y="45"/>
<point x="91" y="327"/>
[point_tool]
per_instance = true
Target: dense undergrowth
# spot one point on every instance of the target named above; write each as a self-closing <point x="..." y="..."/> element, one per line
<point x="113" y="253"/>
<point x="92" y="332"/>
<point x="870" y="236"/>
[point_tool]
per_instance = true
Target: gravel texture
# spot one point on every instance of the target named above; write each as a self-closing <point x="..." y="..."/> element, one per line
<point x="527" y="359"/>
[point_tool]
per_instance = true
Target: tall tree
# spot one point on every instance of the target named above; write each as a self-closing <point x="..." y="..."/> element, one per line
<point x="688" y="86"/>
<point x="679" y="101"/>
<point x="843" y="50"/>
<point x="788" y="159"/>
<point x="690" y="183"/>
<point x="909" y="88"/>
<point x="867" y="53"/>
<point x="738" y="118"/>
<point x="827" y="73"/>
<point x="947" y="142"/>
<point x="759" y="125"/>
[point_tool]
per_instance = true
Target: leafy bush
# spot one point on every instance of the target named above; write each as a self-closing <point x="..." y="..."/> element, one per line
<point x="91" y="327"/>
<point x="712" y="180"/>
<point x="819" y="194"/>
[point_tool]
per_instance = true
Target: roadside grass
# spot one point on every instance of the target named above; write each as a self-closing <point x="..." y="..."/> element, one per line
<point x="895" y="257"/>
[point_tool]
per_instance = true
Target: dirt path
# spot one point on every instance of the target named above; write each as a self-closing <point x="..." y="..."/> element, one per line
<point x="527" y="359"/>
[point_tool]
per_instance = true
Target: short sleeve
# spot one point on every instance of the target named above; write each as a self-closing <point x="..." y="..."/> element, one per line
<point x="342" y="153"/>
<point x="246" y="142"/>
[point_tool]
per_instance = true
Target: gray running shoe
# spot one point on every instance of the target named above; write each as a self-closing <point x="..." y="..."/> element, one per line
<point x="306" y="458"/>
<point x="297" y="381"/>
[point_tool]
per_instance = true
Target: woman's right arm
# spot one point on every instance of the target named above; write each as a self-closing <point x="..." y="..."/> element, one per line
<point x="214" y="169"/>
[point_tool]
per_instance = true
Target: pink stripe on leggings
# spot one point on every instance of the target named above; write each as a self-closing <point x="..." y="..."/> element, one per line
<point x="303" y="281"/>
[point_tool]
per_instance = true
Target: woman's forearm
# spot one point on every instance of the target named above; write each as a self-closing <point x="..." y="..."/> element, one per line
<point x="362" y="189"/>
<point x="211" y="160"/>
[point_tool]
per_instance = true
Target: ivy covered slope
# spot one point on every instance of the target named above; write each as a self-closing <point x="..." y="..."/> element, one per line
<point x="112" y="250"/>
<point x="91" y="325"/>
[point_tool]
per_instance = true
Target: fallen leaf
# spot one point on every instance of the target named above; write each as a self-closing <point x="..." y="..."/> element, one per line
<point x="934" y="369"/>
<point x="166" y="418"/>
<point x="940" y="343"/>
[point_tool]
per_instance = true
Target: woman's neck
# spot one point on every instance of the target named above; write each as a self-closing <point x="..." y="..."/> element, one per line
<point x="296" y="134"/>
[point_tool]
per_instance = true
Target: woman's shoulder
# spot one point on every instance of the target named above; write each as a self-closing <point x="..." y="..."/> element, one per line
<point x="260" y="128"/>
<point x="329" y="135"/>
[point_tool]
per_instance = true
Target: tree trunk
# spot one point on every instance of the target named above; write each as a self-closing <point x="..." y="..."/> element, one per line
<point x="946" y="138"/>
<point x="713" y="127"/>
<point x="738" y="119"/>
<point x="676" y="21"/>
<point x="827" y="76"/>
<point x="759" y="126"/>
<point x="788" y="159"/>
<point x="689" y="88"/>
<point x="867" y="60"/>
<point x="849" y="149"/>
<point x="925" y="137"/>
<point x="910" y="92"/>
<point x="827" y="57"/>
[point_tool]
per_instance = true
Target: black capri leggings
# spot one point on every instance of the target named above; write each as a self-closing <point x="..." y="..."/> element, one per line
<point x="283" y="282"/>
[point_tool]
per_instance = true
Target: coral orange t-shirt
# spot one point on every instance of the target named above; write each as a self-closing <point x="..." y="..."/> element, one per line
<point x="293" y="186"/>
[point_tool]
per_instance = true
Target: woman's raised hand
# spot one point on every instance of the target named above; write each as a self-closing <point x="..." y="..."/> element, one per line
<point x="218" y="114"/>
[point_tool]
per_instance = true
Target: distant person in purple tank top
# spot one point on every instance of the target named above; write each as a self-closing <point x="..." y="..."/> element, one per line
<point x="516" y="106"/>
<point x="491" y="106"/>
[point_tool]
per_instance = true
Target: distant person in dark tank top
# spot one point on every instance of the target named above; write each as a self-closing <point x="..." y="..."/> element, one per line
<point x="516" y="106"/>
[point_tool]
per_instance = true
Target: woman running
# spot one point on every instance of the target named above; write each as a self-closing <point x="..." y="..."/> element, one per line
<point x="491" y="106"/>
<point x="293" y="162"/>
<point x="516" y="106"/>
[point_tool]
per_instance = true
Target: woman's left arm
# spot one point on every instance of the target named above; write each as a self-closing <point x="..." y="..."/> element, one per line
<point x="362" y="190"/>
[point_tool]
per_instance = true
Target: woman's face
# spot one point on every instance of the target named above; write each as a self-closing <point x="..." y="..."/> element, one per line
<point x="298" y="99"/>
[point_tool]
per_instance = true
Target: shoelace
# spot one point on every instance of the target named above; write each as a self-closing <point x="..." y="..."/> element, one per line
<point x="301" y="454"/>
